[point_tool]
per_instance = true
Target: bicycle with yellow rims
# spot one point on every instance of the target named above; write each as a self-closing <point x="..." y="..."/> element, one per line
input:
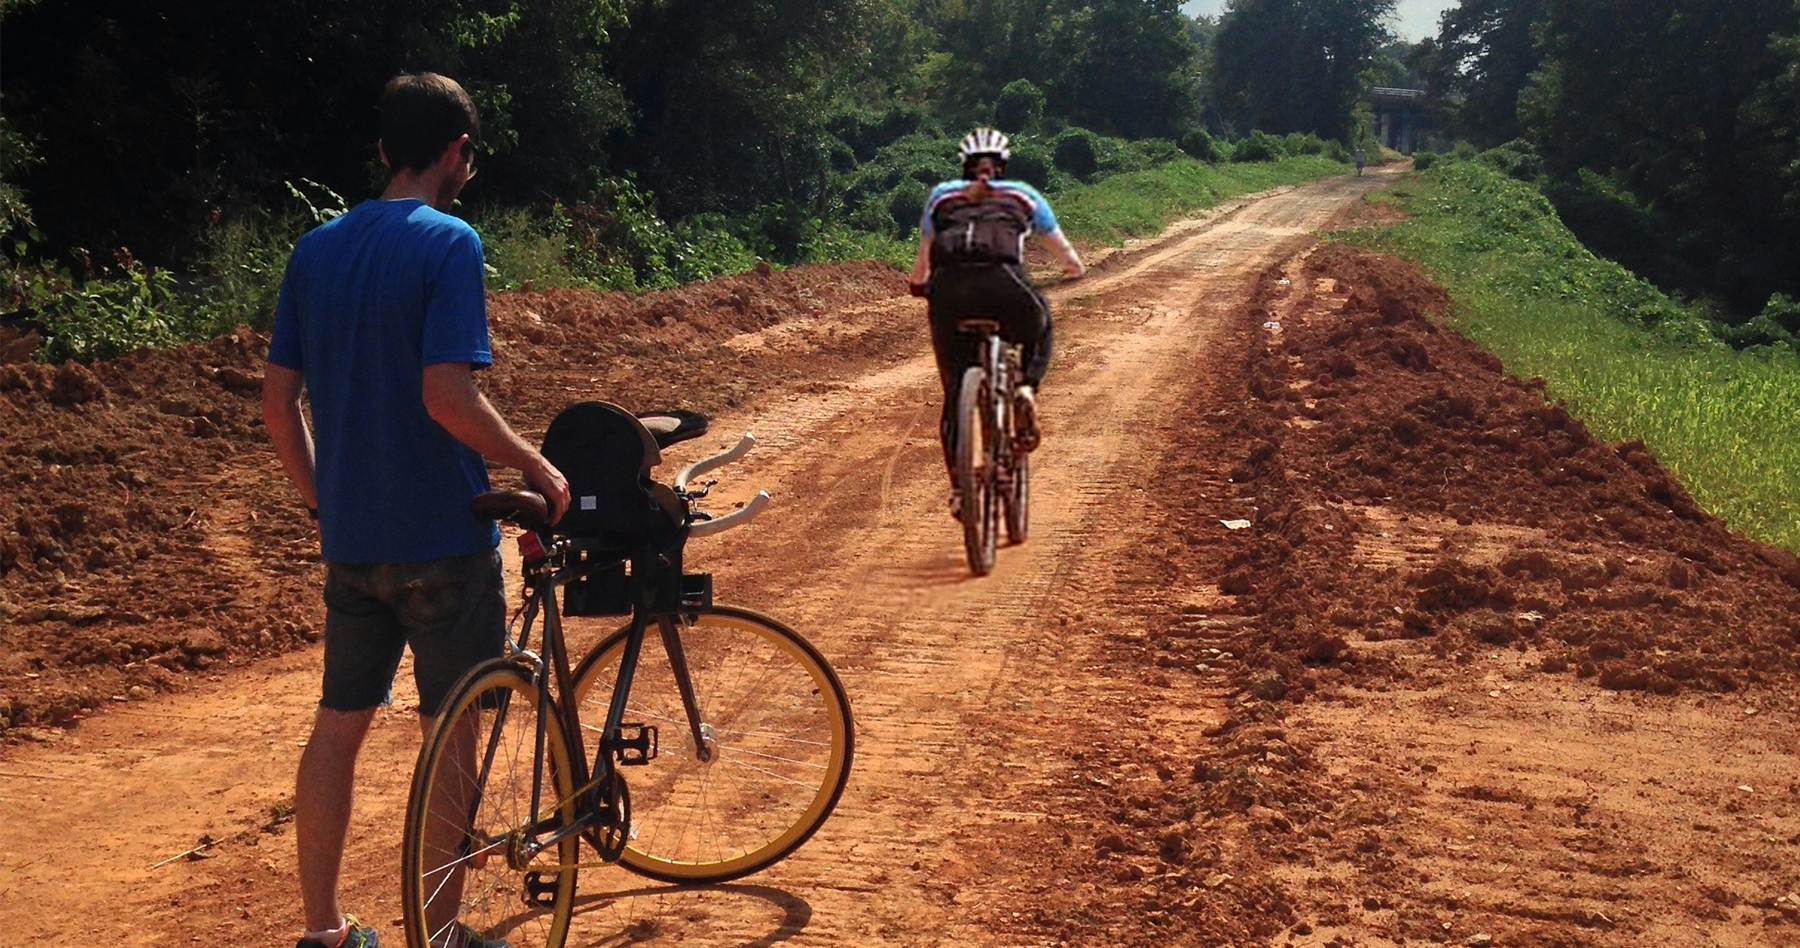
<point x="704" y="763"/>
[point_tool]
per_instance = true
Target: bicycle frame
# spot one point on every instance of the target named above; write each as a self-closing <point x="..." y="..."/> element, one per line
<point x="544" y="579"/>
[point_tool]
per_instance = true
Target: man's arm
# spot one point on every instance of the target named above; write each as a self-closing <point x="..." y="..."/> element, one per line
<point x="287" y="428"/>
<point x="453" y="401"/>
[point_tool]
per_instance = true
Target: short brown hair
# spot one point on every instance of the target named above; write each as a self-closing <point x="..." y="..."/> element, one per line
<point x="420" y="114"/>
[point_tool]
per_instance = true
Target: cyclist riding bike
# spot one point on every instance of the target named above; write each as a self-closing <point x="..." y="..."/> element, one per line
<point x="970" y="265"/>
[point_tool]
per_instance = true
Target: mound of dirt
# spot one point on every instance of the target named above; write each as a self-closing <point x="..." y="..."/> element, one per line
<point x="146" y="529"/>
<point x="1478" y="514"/>
<point x="1409" y="508"/>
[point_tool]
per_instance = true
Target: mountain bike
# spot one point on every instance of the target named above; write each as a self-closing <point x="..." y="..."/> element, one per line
<point x="739" y="741"/>
<point x="994" y="473"/>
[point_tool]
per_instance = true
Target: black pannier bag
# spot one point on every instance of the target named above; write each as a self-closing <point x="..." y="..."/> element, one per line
<point x="988" y="233"/>
<point x="607" y="454"/>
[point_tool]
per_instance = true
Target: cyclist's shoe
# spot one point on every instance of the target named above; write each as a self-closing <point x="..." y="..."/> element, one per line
<point x="465" y="937"/>
<point x="1025" y="423"/>
<point x="357" y="937"/>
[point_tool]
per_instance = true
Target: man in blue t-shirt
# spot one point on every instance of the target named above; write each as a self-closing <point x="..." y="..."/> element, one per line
<point x="382" y="321"/>
<point x="971" y="263"/>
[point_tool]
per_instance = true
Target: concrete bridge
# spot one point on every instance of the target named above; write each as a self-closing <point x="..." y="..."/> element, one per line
<point x="1398" y="116"/>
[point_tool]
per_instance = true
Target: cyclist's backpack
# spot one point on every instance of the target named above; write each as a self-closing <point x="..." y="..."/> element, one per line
<point x="607" y="453"/>
<point x="978" y="233"/>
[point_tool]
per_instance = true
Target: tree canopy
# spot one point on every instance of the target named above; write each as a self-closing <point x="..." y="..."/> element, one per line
<point x="1669" y="129"/>
<point x="1297" y="65"/>
<point x="149" y="117"/>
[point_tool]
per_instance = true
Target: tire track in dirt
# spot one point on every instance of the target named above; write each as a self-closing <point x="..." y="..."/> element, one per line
<point x="956" y="682"/>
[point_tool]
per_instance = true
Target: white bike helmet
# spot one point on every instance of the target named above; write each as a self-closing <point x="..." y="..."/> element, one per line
<point x="984" y="141"/>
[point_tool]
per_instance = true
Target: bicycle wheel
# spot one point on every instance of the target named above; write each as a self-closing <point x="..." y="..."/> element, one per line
<point x="776" y="724"/>
<point x="471" y="809"/>
<point x="1018" y="498"/>
<point x="974" y="472"/>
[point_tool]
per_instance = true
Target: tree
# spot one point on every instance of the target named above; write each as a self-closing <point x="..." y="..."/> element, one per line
<point x="1706" y="134"/>
<point x="1706" y="146"/>
<point x="729" y="98"/>
<point x="151" y="116"/>
<point x="1481" y="60"/>
<point x="1020" y="107"/>
<point x="1297" y="65"/>
<point x="1128" y="66"/>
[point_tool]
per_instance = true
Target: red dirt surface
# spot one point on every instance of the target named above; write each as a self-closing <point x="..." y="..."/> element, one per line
<point x="146" y="531"/>
<point x="1421" y="528"/>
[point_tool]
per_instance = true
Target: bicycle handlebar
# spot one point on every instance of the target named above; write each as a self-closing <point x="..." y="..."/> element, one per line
<point x="739" y="517"/>
<point x="718" y="460"/>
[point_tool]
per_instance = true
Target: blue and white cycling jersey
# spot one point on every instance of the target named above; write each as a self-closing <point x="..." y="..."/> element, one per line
<point x="1043" y="220"/>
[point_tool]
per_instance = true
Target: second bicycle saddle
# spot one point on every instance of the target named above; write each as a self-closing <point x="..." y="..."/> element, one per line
<point x="673" y="426"/>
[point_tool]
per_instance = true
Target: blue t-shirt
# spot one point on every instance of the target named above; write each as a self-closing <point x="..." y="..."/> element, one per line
<point x="368" y="301"/>
<point x="1043" y="220"/>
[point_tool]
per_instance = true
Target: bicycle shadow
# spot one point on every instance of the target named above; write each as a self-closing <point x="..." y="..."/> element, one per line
<point x="660" y="913"/>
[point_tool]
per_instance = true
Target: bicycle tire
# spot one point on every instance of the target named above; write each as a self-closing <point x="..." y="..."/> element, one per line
<point x="1018" y="499"/>
<point x="973" y="473"/>
<point x="497" y="703"/>
<point x="761" y="688"/>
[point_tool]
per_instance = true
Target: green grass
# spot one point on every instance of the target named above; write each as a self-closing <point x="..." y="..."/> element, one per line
<point x="1629" y="361"/>
<point x="1139" y="203"/>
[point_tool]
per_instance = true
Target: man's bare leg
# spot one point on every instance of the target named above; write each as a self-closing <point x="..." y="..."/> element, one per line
<point x="322" y="795"/>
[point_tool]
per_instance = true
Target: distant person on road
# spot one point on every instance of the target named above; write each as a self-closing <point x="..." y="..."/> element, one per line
<point x="971" y="264"/>
<point x="382" y="321"/>
<point x="1361" y="159"/>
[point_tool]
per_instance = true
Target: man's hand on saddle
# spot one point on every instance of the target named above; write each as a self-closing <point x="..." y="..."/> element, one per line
<point x="544" y="478"/>
<point x="919" y="288"/>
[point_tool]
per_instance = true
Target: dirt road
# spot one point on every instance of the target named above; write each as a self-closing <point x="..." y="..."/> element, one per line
<point x="1102" y="742"/>
<point x="956" y="682"/>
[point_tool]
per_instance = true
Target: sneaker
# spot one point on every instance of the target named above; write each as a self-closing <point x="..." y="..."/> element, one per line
<point x="471" y="940"/>
<point x="357" y="937"/>
<point x="1025" y="424"/>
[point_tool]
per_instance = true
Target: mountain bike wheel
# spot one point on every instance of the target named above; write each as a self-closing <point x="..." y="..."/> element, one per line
<point x="975" y="473"/>
<point x="775" y="721"/>
<point x="1018" y="498"/>
<point x="479" y="760"/>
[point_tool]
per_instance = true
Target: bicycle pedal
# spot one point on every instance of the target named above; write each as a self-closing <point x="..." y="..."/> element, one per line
<point x="636" y="745"/>
<point x="540" y="889"/>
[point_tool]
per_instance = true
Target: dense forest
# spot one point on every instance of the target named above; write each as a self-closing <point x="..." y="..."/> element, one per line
<point x="144" y="125"/>
<point x="175" y="149"/>
<point x="1665" y="132"/>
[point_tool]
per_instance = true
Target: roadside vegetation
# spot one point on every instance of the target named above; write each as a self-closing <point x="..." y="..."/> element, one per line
<point x="627" y="144"/>
<point x="1630" y="361"/>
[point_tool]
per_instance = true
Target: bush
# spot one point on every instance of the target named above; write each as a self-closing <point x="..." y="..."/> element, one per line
<point x="1256" y="146"/>
<point x="867" y="131"/>
<point x="1515" y="159"/>
<point x="906" y="205"/>
<point x="1019" y="108"/>
<point x="1463" y="151"/>
<point x="1422" y="161"/>
<point x="1777" y="325"/>
<point x="523" y="248"/>
<point x="1075" y="154"/>
<point x="1201" y="147"/>
<point x="1297" y="144"/>
<point x="1336" y="151"/>
<point x="1156" y="151"/>
<point x="1033" y="164"/>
